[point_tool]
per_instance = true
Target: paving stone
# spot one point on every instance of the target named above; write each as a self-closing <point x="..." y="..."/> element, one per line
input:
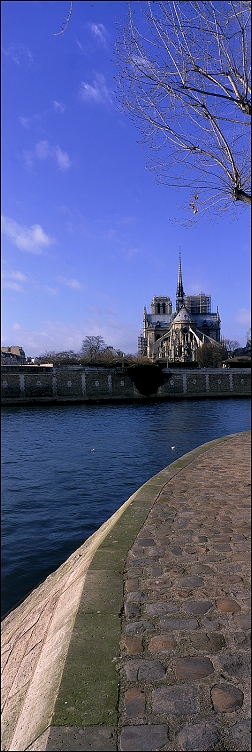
<point x="145" y="541"/>
<point x="200" y="568"/>
<point x="198" y="737"/>
<point x="226" y="698"/>
<point x="226" y="605"/>
<point x="134" y="700"/>
<point x="193" y="668"/>
<point x="177" y="551"/>
<point x="162" y="643"/>
<point x="214" y="557"/>
<point x="241" y="732"/>
<point x="241" y="556"/>
<point x="139" y="627"/>
<point x="132" y="609"/>
<point x="243" y="620"/>
<point x="179" y="624"/>
<point x="135" y="597"/>
<point x="197" y="607"/>
<point x="144" y="670"/>
<point x="155" y="571"/>
<point x="191" y="581"/>
<point x="143" y="738"/>
<point x="176" y="700"/>
<point x="133" y="645"/>
<point x="131" y="585"/>
<point x="236" y="665"/>
<point x="160" y="608"/>
<point x="212" y="642"/>
<point x="242" y="639"/>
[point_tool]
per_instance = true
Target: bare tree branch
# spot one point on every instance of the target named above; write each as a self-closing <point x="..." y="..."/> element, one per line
<point x="184" y="77"/>
<point x="65" y="23"/>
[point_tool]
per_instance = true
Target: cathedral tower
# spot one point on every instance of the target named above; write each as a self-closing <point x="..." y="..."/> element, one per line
<point x="180" y="290"/>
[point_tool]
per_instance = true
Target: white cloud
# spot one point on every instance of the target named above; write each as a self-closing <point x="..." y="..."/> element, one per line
<point x="28" y="158"/>
<point x="31" y="239"/>
<point x="12" y="286"/>
<point x="58" y="107"/>
<point x="50" y="290"/>
<point x="55" y="335"/>
<point x="73" y="283"/>
<point x="25" y="122"/>
<point x="79" y="44"/>
<point x="12" y="280"/>
<point x="243" y="316"/>
<point x="49" y="335"/>
<point x="99" y="31"/>
<point x="130" y="253"/>
<point x="19" y="54"/>
<point x="62" y="159"/>
<point x="97" y="91"/>
<point x="19" y="276"/>
<point x="43" y="151"/>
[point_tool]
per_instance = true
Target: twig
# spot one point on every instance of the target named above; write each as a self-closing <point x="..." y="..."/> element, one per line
<point x="65" y="25"/>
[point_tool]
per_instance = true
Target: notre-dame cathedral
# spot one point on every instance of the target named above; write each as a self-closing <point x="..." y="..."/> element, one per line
<point x="177" y="336"/>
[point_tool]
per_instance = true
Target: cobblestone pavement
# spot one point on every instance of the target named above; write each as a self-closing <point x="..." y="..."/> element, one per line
<point x="185" y="675"/>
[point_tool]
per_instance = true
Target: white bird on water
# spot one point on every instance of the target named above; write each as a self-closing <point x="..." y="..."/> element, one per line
<point x="173" y="447"/>
<point x="92" y="450"/>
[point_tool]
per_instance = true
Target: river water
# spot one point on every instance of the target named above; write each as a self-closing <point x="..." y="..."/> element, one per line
<point x="66" y="469"/>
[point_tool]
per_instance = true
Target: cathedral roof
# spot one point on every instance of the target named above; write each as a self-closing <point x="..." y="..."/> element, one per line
<point x="183" y="316"/>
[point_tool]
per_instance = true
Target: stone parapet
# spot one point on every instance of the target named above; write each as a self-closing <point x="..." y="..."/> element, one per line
<point x="85" y="384"/>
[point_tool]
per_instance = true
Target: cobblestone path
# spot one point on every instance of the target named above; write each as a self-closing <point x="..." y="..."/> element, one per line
<point x="185" y="674"/>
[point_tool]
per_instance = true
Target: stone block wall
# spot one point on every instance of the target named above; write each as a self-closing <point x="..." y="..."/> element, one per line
<point x="101" y="384"/>
<point x="37" y="385"/>
<point x="10" y="385"/>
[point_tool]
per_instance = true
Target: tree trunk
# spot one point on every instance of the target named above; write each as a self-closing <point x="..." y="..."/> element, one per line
<point x="240" y="195"/>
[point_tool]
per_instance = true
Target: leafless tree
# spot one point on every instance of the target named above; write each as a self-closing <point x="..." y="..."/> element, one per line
<point x="231" y="345"/>
<point x="92" y="346"/>
<point x="184" y="76"/>
<point x="65" y="357"/>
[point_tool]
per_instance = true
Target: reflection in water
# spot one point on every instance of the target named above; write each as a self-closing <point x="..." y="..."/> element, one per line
<point x="66" y="469"/>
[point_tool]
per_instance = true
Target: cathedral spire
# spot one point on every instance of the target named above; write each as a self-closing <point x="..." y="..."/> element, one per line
<point x="180" y="290"/>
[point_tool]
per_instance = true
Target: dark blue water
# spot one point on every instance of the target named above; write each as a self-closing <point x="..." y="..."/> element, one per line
<point x="56" y="491"/>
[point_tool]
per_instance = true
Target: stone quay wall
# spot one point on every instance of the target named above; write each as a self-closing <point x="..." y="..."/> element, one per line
<point x="89" y="384"/>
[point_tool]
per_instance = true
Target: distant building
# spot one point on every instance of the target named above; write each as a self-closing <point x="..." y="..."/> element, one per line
<point x="13" y="355"/>
<point x="177" y="336"/>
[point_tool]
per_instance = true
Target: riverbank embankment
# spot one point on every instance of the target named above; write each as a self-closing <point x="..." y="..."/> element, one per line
<point x="59" y="385"/>
<point x="140" y="639"/>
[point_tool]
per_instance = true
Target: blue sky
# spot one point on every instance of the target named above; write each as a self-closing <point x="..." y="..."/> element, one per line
<point x="88" y="236"/>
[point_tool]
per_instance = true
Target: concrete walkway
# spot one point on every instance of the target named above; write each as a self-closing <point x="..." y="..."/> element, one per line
<point x="149" y="649"/>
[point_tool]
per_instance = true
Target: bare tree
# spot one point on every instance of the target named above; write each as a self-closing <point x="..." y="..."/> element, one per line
<point x="230" y="345"/>
<point x="65" y="357"/>
<point x="92" y="346"/>
<point x="184" y="76"/>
